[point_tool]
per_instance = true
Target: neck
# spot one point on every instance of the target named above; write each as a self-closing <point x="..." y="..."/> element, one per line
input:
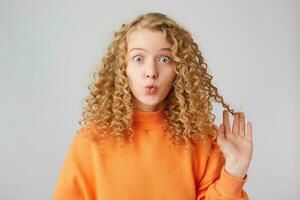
<point x="148" y="119"/>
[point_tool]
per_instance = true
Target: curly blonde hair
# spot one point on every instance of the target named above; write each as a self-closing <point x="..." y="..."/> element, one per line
<point x="188" y="106"/>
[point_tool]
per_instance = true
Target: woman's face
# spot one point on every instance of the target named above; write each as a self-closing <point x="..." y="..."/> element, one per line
<point x="149" y="61"/>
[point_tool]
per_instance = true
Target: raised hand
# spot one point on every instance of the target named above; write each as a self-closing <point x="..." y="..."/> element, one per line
<point x="236" y="144"/>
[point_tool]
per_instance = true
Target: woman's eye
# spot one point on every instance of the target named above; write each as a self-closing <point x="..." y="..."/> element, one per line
<point x="165" y="58"/>
<point x="138" y="58"/>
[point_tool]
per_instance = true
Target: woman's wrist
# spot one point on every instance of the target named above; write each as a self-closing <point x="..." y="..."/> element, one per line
<point x="236" y="169"/>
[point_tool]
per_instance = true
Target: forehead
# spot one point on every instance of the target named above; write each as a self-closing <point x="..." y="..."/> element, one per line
<point x="148" y="40"/>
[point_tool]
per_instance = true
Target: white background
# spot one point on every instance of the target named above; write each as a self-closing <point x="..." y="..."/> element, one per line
<point x="49" y="50"/>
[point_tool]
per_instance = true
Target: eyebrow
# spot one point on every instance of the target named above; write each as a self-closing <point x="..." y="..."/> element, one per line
<point x="162" y="49"/>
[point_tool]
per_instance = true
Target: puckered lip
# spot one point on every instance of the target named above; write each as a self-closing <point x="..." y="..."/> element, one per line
<point x="151" y="85"/>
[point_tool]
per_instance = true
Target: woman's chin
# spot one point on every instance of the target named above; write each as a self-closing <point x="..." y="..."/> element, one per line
<point x="151" y="101"/>
<point x="147" y="102"/>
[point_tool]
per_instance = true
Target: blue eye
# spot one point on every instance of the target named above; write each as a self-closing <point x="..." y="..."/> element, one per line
<point x="164" y="59"/>
<point x="168" y="58"/>
<point x="136" y="57"/>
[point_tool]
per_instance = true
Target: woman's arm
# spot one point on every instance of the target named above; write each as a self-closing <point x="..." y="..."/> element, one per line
<point x="217" y="183"/>
<point x="227" y="166"/>
<point x="73" y="182"/>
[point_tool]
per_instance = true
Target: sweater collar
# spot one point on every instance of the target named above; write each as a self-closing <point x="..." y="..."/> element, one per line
<point x="148" y="119"/>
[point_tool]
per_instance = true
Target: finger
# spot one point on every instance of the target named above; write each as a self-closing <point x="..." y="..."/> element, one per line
<point x="235" y="128"/>
<point x="242" y="124"/>
<point x="221" y="133"/>
<point x="248" y="134"/>
<point x="226" y="122"/>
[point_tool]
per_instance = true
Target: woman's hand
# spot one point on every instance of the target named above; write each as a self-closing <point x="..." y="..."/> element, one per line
<point x="236" y="144"/>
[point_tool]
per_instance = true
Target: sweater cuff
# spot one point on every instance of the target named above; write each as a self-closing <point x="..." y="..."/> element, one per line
<point x="229" y="185"/>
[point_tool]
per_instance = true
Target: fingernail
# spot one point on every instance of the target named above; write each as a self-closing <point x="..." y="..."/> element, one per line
<point x="242" y="115"/>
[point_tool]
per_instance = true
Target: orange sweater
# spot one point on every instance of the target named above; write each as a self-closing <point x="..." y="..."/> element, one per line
<point x="152" y="171"/>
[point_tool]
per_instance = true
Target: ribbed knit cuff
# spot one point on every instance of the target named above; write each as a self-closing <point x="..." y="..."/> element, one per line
<point x="230" y="186"/>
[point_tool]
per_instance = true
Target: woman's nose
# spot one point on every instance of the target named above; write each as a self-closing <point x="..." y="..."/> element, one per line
<point x="151" y="71"/>
<point x="151" y="76"/>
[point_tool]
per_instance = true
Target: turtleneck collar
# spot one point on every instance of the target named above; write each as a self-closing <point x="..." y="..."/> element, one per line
<point x="148" y="119"/>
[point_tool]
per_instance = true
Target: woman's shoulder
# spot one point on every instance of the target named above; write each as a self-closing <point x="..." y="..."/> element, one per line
<point x="92" y="133"/>
<point x="89" y="132"/>
<point x="205" y="146"/>
<point x="91" y="136"/>
<point x="87" y="129"/>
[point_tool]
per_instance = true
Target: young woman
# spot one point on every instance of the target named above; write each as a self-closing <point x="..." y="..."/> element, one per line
<point x="149" y="129"/>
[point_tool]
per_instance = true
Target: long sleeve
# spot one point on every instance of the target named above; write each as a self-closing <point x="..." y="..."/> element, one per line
<point x="150" y="170"/>
<point x="217" y="184"/>
<point x="72" y="181"/>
